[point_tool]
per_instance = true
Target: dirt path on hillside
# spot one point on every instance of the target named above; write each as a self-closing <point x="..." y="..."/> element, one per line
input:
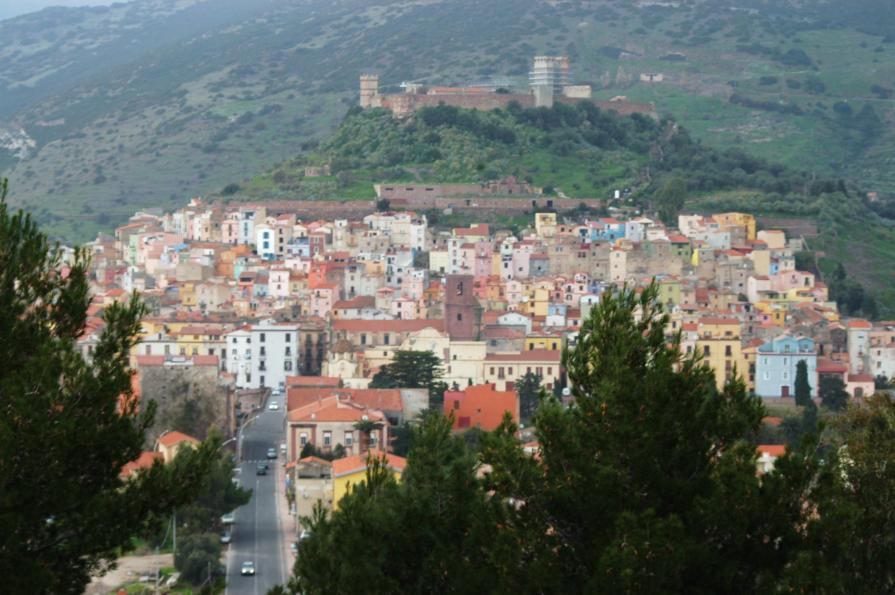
<point x="128" y="570"/>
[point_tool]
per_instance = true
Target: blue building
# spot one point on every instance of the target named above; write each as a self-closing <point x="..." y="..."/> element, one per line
<point x="775" y="366"/>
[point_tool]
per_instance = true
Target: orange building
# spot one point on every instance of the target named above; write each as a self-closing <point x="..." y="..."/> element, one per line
<point x="480" y="406"/>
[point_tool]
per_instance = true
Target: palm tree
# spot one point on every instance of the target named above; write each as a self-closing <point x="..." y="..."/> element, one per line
<point x="366" y="427"/>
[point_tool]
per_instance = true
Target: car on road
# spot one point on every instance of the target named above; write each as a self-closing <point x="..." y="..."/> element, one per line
<point x="226" y="537"/>
<point x="282" y="448"/>
<point x="271" y="453"/>
<point x="247" y="569"/>
<point x="228" y="519"/>
<point x="273" y="406"/>
<point x="262" y="469"/>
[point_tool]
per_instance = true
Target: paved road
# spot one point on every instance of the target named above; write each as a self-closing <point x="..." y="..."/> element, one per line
<point x="257" y="533"/>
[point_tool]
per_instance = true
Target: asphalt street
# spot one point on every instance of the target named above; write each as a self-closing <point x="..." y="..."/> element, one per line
<point x="256" y="535"/>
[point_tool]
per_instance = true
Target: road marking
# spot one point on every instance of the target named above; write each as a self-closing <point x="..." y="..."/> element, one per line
<point x="254" y="579"/>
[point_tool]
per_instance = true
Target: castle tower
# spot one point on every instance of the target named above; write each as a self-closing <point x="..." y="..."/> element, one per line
<point x="369" y="90"/>
<point x="462" y="312"/>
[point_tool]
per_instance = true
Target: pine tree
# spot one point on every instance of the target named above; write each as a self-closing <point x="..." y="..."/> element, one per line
<point x="849" y="546"/>
<point x="635" y="482"/>
<point x="803" y="389"/>
<point x="833" y="395"/>
<point x="65" y="431"/>
<point x="529" y="390"/>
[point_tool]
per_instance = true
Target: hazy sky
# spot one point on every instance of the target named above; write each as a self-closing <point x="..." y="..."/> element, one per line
<point x="11" y="8"/>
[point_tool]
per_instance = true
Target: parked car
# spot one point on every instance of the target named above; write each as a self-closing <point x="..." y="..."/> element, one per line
<point x="282" y="448"/>
<point x="293" y="547"/>
<point x="226" y="537"/>
<point x="273" y="406"/>
<point x="271" y="453"/>
<point x="228" y="519"/>
<point x="262" y="469"/>
<point x="247" y="569"/>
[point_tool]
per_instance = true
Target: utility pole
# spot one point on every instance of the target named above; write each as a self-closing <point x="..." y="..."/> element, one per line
<point x="174" y="521"/>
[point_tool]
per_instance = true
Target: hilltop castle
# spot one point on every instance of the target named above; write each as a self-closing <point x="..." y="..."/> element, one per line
<point x="548" y="84"/>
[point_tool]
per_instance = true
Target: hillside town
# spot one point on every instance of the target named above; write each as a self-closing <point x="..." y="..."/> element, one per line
<point x="254" y="308"/>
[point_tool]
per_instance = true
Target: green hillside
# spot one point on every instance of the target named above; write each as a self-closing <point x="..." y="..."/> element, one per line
<point x="577" y="151"/>
<point x="148" y="102"/>
<point x="582" y="152"/>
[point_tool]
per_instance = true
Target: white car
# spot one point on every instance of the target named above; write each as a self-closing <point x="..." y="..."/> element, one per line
<point x="273" y="406"/>
<point x="247" y="569"/>
<point x="228" y="519"/>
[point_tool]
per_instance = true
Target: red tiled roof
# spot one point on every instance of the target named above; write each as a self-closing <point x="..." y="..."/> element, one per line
<point x="359" y="463"/>
<point x="150" y="360"/>
<point x="859" y="323"/>
<point x="144" y="461"/>
<point x="397" y="326"/>
<point x="333" y="409"/>
<point x="718" y="321"/>
<point x="860" y="378"/>
<point x="361" y="301"/>
<point x="313" y="381"/>
<point x="774" y="450"/>
<point x="385" y="399"/>
<point x="205" y="360"/>
<point x="169" y="439"/>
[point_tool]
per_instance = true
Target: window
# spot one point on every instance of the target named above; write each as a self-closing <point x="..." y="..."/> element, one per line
<point x="386" y="338"/>
<point x="288" y="337"/>
<point x="549" y="370"/>
<point x="349" y="439"/>
<point x="706" y="350"/>
<point x="262" y="380"/>
<point x="234" y="339"/>
<point x="492" y="370"/>
<point x="728" y="350"/>
<point x="287" y="365"/>
<point x="167" y="350"/>
<point x="363" y="339"/>
<point x="148" y="350"/>
<point x="373" y="439"/>
<point x="459" y="316"/>
<point x="327" y="438"/>
<point x="195" y="351"/>
<point x="459" y="287"/>
<point x="456" y="405"/>
<point x="303" y="439"/>
<point x="288" y="350"/>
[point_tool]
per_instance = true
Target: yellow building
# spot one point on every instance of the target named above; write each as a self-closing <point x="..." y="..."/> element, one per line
<point x="538" y="302"/>
<point x="670" y="291"/>
<point x="543" y="341"/>
<point x="719" y="344"/>
<point x="545" y="224"/>
<point x="188" y="298"/>
<point x="351" y="471"/>
<point x="738" y="219"/>
<point x="200" y="339"/>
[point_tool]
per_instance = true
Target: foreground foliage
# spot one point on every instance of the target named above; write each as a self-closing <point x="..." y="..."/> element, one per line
<point x="67" y="425"/>
<point x="647" y="483"/>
